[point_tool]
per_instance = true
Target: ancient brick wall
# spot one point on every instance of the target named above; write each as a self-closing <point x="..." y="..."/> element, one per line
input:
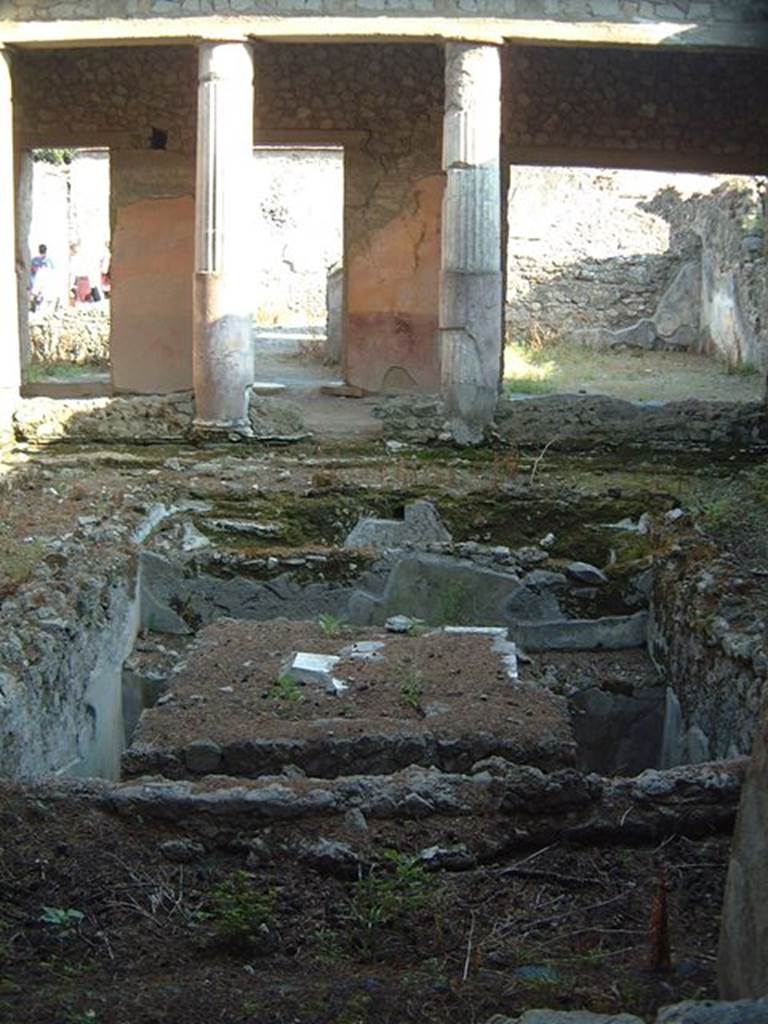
<point x="699" y="12"/>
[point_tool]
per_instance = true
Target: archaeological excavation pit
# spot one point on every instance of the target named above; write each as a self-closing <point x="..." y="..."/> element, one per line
<point x="281" y="672"/>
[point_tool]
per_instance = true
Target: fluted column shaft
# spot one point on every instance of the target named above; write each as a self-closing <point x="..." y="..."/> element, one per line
<point x="10" y="369"/>
<point x="222" y="353"/>
<point x="470" y="271"/>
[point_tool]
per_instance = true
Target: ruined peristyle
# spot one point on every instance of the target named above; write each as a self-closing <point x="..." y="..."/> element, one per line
<point x="431" y="103"/>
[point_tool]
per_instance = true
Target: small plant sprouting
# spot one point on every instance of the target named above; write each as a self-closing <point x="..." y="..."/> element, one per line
<point x="386" y="896"/>
<point x="62" y="918"/>
<point x="412" y="690"/>
<point x="286" y="688"/>
<point x="240" y="912"/>
<point x="330" y="625"/>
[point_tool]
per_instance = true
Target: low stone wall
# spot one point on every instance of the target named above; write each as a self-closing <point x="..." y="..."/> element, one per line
<point x="586" y="422"/>
<point x="142" y="419"/>
<point x="78" y="336"/>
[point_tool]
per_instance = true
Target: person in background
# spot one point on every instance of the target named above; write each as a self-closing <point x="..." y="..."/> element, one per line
<point x="105" y="266"/>
<point x="40" y="280"/>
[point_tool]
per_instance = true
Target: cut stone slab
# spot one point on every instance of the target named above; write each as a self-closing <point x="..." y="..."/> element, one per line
<point x="421" y="525"/>
<point x="225" y="694"/>
<point x="246" y="527"/>
<point x="400" y="624"/>
<point x="313" y="670"/>
<point x="448" y="591"/>
<point x="613" y="633"/>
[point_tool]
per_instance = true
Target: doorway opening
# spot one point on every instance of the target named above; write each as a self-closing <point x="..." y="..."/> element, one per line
<point x="297" y="272"/>
<point x="648" y="286"/>
<point x="65" y="244"/>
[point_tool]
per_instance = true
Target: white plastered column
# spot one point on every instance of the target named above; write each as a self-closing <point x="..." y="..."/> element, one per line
<point x="470" y="271"/>
<point x="10" y="368"/>
<point x="222" y="352"/>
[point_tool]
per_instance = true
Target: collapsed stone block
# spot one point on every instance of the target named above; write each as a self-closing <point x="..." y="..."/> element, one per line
<point x="421" y="525"/>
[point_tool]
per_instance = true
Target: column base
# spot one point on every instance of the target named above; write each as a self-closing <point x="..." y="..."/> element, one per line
<point x="203" y="430"/>
<point x="222" y="364"/>
<point x="470" y="351"/>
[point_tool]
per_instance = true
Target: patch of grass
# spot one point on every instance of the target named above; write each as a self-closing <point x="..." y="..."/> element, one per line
<point x="527" y="371"/>
<point x="537" y="367"/>
<point x="36" y="372"/>
<point x="18" y="558"/>
<point x="452" y="604"/>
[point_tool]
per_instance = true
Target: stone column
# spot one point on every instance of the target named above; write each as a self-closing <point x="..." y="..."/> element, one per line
<point x="470" y="272"/>
<point x="10" y="370"/>
<point x="222" y="353"/>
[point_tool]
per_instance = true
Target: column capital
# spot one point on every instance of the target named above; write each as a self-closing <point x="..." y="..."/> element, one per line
<point x="225" y="61"/>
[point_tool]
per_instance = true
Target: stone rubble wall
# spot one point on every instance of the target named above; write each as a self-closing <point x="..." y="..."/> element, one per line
<point x="701" y="12"/>
<point x="706" y="634"/>
<point x="689" y="109"/>
<point x="65" y="636"/>
<point x="642" y="259"/>
<point x="78" y="335"/>
<point x="730" y="226"/>
<point x="584" y="252"/>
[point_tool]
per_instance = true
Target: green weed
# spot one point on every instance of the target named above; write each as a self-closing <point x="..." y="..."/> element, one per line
<point x="385" y="897"/>
<point x="63" y="919"/>
<point x="239" y="911"/>
<point x="412" y="689"/>
<point x="330" y="625"/>
<point x="286" y="688"/>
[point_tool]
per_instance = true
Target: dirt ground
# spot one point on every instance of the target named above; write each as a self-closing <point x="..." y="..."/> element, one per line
<point x="232" y="689"/>
<point x="97" y="925"/>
